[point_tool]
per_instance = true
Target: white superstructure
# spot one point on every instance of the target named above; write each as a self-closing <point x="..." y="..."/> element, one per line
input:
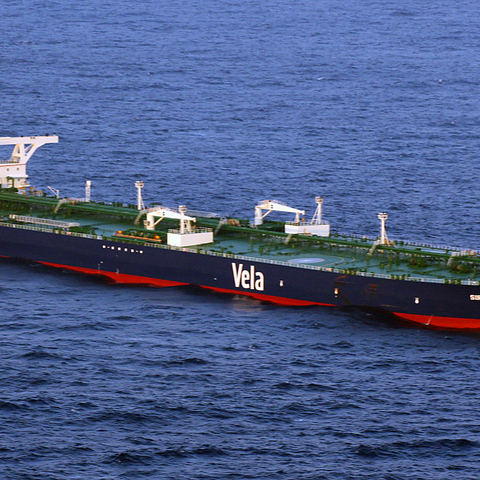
<point x="13" y="171"/>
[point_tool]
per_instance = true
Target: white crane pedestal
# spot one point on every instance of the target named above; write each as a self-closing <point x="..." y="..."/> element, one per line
<point x="189" y="239"/>
<point x="304" y="228"/>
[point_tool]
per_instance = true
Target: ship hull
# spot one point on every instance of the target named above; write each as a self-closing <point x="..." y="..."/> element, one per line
<point x="437" y="305"/>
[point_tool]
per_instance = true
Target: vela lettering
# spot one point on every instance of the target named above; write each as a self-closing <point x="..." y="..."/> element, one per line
<point x="248" y="279"/>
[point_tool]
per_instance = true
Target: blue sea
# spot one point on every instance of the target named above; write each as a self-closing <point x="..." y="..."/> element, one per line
<point x="216" y="105"/>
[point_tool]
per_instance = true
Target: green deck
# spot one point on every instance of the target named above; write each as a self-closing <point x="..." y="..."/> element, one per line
<point x="269" y="243"/>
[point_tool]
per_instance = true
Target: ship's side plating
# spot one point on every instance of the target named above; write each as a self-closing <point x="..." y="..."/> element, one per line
<point x="284" y="284"/>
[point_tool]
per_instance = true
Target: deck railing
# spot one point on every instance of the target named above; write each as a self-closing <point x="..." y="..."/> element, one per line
<point x="407" y="243"/>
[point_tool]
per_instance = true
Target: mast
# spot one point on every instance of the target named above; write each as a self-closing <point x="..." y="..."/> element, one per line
<point x="383" y="232"/>
<point x="139" y="185"/>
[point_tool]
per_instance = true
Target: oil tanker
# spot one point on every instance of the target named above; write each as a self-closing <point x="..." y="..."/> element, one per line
<point x="299" y="263"/>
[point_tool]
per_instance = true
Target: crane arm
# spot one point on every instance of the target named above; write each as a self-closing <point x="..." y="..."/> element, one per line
<point x="270" y="206"/>
<point x="278" y="207"/>
<point x="168" y="213"/>
<point x="163" y="212"/>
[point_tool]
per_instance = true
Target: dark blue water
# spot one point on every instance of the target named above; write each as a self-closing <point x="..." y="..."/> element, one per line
<point x="218" y="104"/>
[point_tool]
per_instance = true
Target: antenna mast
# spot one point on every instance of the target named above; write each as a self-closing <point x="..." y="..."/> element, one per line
<point x="140" y="204"/>
<point x="317" y="216"/>
<point x="88" y="190"/>
<point x="383" y="232"/>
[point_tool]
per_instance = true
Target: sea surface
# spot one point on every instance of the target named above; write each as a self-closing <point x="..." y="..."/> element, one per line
<point x="218" y="104"/>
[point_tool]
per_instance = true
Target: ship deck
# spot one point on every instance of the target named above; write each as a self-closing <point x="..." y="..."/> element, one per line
<point x="347" y="257"/>
<point x="349" y="253"/>
<point x="351" y="259"/>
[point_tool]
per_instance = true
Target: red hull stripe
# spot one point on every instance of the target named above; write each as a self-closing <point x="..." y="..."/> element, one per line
<point x="135" y="279"/>
<point x="269" y="298"/>
<point x="451" y="323"/>
<point x="120" y="277"/>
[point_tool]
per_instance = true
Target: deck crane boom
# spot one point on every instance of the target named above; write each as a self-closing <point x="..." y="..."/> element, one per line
<point x="185" y="236"/>
<point x="55" y="191"/>
<point x="314" y="227"/>
<point x="164" y="212"/>
<point x="273" y="205"/>
<point x="13" y="171"/>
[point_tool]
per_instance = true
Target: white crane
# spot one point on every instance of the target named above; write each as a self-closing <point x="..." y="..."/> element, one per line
<point x="316" y="226"/>
<point x="13" y="172"/>
<point x="55" y="191"/>
<point x="186" y="236"/>
<point x="164" y="212"/>
<point x="273" y="205"/>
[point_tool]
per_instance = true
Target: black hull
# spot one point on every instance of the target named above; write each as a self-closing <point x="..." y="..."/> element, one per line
<point x="436" y="304"/>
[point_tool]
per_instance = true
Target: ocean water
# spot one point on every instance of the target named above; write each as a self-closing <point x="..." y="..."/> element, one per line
<point x="216" y="105"/>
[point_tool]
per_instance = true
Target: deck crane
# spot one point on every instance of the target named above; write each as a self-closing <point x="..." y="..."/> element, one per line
<point x="13" y="171"/>
<point x="186" y="235"/>
<point x="316" y="226"/>
<point x="165" y="212"/>
<point x="273" y="205"/>
<point x="55" y="191"/>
